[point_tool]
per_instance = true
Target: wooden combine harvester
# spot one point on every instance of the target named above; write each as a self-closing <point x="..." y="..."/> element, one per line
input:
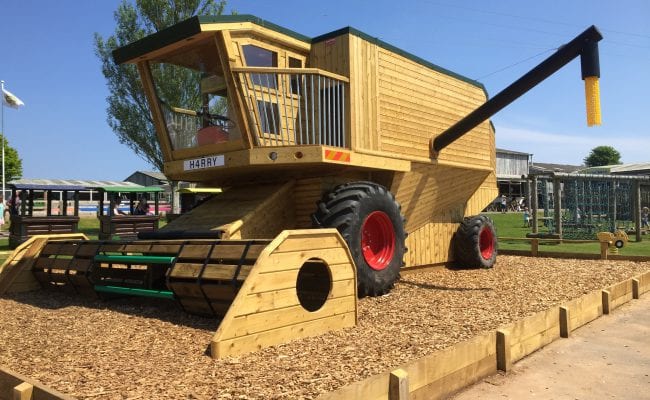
<point x="340" y="131"/>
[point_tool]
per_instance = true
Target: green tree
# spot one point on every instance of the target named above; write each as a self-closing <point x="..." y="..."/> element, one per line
<point x="13" y="163"/>
<point x="128" y="111"/>
<point x="602" y="155"/>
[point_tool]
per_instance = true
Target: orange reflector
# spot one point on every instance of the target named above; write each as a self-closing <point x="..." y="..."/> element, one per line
<point x="592" y="96"/>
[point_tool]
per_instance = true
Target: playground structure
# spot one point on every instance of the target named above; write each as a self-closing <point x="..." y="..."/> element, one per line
<point x="35" y="209"/>
<point x="25" y="223"/>
<point x="341" y="131"/>
<point x="579" y="206"/>
<point x="127" y="226"/>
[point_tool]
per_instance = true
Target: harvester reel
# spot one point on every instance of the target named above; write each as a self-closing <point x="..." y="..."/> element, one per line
<point x="370" y="220"/>
<point x="475" y="243"/>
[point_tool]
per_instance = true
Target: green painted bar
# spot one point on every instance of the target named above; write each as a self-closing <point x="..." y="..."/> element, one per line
<point x="158" y="294"/>
<point x="132" y="259"/>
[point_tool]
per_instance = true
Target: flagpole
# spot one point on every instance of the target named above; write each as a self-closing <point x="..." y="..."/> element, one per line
<point x="2" y="83"/>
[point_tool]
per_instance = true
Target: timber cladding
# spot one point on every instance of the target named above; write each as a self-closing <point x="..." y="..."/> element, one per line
<point x="274" y="305"/>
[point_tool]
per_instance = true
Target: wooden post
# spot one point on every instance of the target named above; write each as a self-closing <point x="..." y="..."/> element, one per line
<point x="604" y="248"/>
<point x="557" y="206"/>
<point x="76" y="203"/>
<point x="637" y="211"/>
<point x="534" y="247"/>
<point x="64" y="203"/>
<point x="398" y="385"/>
<point x="565" y="322"/>
<point x="636" y="293"/>
<point x="23" y="391"/>
<point x="504" y="360"/>
<point x="606" y="301"/>
<point x="48" y="203"/>
<point x="533" y="211"/>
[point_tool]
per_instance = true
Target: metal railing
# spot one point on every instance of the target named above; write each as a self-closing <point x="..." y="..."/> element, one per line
<point x="286" y="107"/>
<point x="182" y="126"/>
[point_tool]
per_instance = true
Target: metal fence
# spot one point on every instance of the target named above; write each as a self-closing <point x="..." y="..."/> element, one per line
<point x="295" y="106"/>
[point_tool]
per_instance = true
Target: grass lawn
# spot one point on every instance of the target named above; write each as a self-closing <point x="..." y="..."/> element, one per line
<point x="88" y="225"/>
<point x="511" y="225"/>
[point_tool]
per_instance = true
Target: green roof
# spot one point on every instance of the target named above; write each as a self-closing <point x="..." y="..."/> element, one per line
<point x="192" y="26"/>
<point x="131" y="189"/>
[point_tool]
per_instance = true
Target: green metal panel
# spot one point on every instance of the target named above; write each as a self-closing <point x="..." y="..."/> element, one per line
<point x="134" y="259"/>
<point x="158" y="294"/>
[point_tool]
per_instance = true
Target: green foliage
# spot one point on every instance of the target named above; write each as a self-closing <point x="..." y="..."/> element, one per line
<point x="13" y="163"/>
<point x="602" y="155"/>
<point x="128" y="112"/>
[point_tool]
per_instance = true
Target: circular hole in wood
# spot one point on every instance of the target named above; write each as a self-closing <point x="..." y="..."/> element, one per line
<point x="314" y="284"/>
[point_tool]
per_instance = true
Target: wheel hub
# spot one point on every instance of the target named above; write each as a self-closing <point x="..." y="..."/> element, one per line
<point x="378" y="240"/>
<point x="486" y="243"/>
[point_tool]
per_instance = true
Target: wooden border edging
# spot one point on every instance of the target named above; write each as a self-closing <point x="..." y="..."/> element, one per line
<point x="444" y="372"/>
<point x="17" y="387"/>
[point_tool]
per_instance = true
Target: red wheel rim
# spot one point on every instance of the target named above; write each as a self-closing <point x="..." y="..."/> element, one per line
<point x="486" y="243"/>
<point x="378" y="240"/>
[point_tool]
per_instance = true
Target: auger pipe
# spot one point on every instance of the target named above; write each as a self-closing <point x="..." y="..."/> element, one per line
<point x="582" y="43"/>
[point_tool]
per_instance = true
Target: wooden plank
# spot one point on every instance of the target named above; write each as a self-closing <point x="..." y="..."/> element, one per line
<point x="213" y="292"/>
<point x="10" y="380"/>
<point x="275" y="319"/>
<point x="260" y="302"/>
<point x="212" y="271"/>
<point x="620" y="293"/>
<point x="585" y="309"/>
<point x="309" y="241"/>
<point x="295" y="260"/>
<point x="240" y="345"/>
<point x="235" y="252"/>
<point x="287" y="279"/>
<point x="531" y="333"/>
<point x="432" y="376"/>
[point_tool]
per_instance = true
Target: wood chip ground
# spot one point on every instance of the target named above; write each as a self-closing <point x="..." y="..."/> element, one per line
<point x="142" y="349"/>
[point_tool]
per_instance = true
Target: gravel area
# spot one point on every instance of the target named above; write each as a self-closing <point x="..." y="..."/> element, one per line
<point x="142" y="349"/>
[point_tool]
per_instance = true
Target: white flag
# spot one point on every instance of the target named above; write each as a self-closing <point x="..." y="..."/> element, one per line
<point x="10" y="99"/>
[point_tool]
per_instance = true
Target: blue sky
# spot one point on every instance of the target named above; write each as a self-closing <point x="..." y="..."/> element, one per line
<point x="47" y="59"/>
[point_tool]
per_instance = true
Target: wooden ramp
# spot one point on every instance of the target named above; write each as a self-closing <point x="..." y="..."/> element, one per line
<point x="16" y="272"/>
<point x="251" y="212"/>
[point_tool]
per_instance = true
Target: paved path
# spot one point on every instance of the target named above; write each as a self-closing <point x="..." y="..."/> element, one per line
<point x="608" y="358"/>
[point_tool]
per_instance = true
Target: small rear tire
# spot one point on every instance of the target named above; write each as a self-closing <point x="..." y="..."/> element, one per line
<point x="475" y="243"/>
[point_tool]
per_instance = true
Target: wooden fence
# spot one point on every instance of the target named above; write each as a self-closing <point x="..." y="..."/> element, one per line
<point x="442" y="373"/>
<point x="14" y="386"/>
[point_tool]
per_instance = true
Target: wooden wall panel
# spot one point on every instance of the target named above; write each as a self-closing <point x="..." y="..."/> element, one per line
<point x="416" y="102"/>
<point x="364" y="83"/>
<point x="306" y="194"/>
<point x="431" y="243"/>
<point x="431" y="189"/>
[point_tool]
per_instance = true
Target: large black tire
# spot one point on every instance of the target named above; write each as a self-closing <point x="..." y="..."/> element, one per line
<point x="369" y="219"/>
<point x="475" y="243"/>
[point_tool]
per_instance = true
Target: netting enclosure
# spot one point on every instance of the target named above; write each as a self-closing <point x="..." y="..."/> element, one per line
<point x="577" y="206"/>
